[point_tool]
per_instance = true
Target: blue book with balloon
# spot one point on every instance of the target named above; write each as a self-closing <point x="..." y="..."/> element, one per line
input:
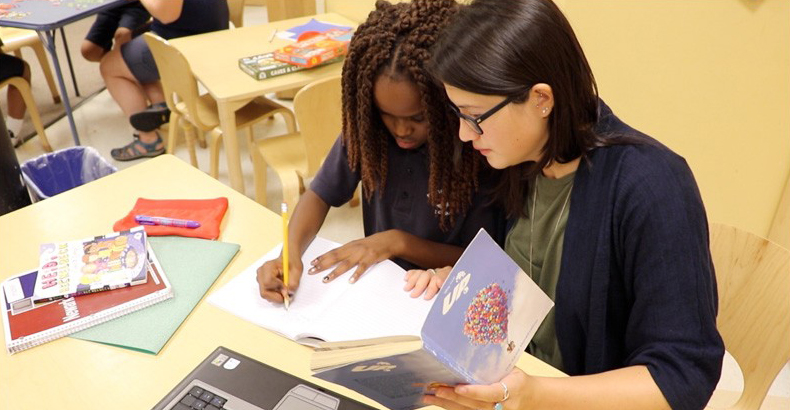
<point x="478" y="327"/>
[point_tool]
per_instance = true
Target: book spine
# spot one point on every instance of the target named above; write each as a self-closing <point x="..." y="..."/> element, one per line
<point x="27" y="342"/>
<point x="248" y="70"/>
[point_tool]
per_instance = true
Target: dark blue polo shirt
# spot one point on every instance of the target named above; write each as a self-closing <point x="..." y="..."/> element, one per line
<point x="197" y="16"/>
<point x="404" y="203"/>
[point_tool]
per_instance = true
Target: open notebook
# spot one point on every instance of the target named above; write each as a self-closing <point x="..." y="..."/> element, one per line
<point x="374" y="306"/>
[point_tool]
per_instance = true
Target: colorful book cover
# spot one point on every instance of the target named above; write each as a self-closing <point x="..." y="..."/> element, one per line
<point x="316" y="50"/>
<point x="90" y="265"/>
<point x="263" y="66"/>
<point x="479" y="325"/>
<point x="27" y="324"/>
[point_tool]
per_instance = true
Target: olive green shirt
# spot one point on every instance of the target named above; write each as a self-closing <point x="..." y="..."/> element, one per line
<point x="551" y="204"/>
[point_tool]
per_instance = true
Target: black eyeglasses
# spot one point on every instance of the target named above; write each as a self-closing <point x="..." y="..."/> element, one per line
<point x="474" y="122"/>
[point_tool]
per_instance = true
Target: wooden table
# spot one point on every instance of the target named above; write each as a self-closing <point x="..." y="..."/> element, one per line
<point x="75" y="374"/>
<point x="214" y="58"/>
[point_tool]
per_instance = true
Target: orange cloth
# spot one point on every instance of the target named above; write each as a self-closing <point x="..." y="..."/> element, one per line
<point x="208" y="212"/>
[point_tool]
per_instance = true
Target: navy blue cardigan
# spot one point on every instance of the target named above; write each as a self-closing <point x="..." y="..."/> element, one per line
<point x="636" y="284"/>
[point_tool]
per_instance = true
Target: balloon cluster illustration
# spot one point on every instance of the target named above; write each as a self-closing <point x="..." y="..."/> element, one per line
<point x="486" y="316"/>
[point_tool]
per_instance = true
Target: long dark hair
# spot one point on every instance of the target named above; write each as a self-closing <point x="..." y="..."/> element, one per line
<point x="395" y="41"/>
<point x="504" y="47"/>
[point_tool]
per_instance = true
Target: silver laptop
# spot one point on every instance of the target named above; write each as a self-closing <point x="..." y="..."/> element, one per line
<point x="227" y="380"/>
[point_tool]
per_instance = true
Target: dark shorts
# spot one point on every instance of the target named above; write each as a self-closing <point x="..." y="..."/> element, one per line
<point x="10" y="66"/>
<point x="132" y="16"/>
<point x="140" y="61"/>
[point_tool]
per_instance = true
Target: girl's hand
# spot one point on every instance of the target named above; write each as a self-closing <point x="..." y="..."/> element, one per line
<point x="362" y="253"/>
<point x="427" y="281"/>
<point x="486" y="397"/>
<point x="270" y="278"/>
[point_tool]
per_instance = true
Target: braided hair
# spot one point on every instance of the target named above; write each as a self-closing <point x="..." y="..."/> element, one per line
<point x="395" y="41"/>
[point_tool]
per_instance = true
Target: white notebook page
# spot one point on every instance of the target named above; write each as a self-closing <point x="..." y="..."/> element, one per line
<point x="375" y="306"/>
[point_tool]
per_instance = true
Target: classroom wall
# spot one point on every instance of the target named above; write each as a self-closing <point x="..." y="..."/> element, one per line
<point x="708" y="78"/>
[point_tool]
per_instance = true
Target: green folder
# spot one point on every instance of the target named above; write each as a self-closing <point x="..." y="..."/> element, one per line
<point x="191" y="266"/>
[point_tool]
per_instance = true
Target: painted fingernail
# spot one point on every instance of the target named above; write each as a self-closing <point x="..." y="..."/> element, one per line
<point x="326" y="279"/>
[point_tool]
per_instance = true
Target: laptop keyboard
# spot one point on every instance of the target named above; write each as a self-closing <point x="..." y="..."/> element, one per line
<point x="200" y="399"/>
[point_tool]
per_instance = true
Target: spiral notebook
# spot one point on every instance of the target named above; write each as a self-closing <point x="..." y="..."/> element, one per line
<point x="26" y="324"/>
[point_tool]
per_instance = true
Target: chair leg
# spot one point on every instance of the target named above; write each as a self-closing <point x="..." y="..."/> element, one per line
<point x="259" y="168"/>
<point x="27" y="95"/>
<point x="190" y="137"/>
<point x="202" y="140"/>
<point x="216" y="139"/>
<point x="291" y="183"/>
<point x="189" y="132"/>
<point x="41" y="55"/>
<point x="172" y="132"/>
<point x="290" y="120"/>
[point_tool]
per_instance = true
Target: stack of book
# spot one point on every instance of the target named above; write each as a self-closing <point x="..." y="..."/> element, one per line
<point x="322" y="49"/>
<point x="79" y="284"/>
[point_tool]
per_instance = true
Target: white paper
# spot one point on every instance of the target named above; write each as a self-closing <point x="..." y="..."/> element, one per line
<point x="375" y="306"/>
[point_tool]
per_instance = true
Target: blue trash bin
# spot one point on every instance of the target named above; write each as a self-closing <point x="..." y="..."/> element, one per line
<point x="59" y="171"/>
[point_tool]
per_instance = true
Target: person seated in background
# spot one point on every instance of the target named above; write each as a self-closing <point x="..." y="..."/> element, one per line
<point x="11" y="66"/>
<point x="114" y="28"/>
<point x="132" y="78"/>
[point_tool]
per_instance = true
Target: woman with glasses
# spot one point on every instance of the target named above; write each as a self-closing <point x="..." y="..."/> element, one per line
<point x="610" y="225"/>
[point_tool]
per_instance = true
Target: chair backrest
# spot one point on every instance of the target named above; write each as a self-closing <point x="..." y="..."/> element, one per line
<point x="753" y="276"/>
<point x="177" y="78"/>
<point x="236" y="9"/>
<point x="318" y="110"/>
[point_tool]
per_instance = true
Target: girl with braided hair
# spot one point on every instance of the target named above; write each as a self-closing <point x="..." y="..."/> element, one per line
<point x="422" y="199"/>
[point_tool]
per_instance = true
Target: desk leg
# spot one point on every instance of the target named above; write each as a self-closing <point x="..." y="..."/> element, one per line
<point x="48" y="38"/>
<point x="68" y="59"/>
<point x="227" y="121"/>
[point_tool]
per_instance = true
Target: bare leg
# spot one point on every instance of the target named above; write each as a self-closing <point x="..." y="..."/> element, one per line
<point x="154" y="92"/>
<point x="124" y="88"/>
<point x="16" y="105"/>
<point x="91" y="51"/>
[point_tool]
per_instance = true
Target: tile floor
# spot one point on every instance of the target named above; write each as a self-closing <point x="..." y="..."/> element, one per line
<point x="101" y="124"/>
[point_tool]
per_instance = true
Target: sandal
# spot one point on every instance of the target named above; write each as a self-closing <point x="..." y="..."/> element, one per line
<point x="151" y="118"/>
<point x="138" y="149"/>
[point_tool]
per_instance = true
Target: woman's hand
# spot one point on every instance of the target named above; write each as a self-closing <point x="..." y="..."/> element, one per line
<point x="427" y="281"/>
<point x="270" y="278"/>
<point x="362" y="253"/>
<point x="485" y="397"/>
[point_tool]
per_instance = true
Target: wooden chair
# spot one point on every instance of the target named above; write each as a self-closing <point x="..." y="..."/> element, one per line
<point x="16" y="38"/>
<point x="299" y="155"/>
<point x="189" y="110"/>
<point x="27" y="95"/>
<point x="236" y="9"/>
<point x="753" y="276"/>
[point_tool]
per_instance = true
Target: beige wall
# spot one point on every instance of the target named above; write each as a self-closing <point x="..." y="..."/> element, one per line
<point x="710" y="79"/>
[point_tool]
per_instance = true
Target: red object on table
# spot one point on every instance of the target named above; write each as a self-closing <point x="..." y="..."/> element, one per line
<point x="209" y="212"/>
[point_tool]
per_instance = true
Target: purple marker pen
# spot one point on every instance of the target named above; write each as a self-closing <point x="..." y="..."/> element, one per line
<point x="157" y="220"/>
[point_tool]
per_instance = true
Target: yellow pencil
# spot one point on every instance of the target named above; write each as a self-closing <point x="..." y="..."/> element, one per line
<point x="284" y="209"/>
